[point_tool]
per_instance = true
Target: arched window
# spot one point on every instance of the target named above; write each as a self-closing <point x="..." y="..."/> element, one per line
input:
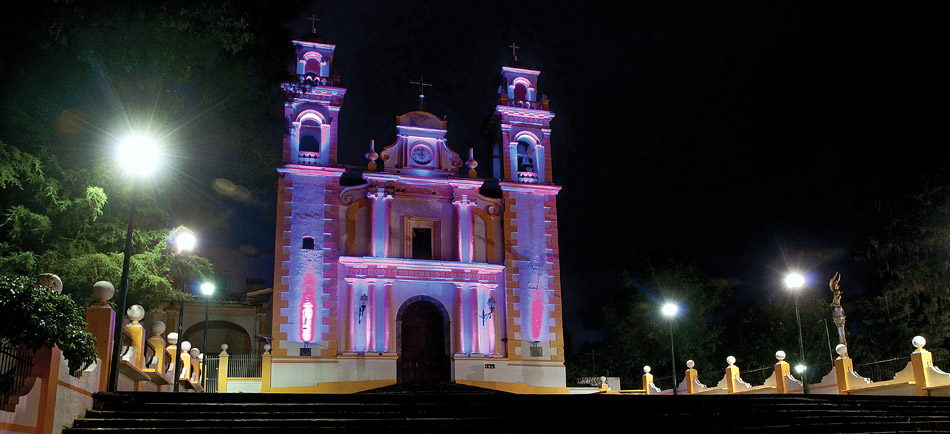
<point x="525" y="156"/>
<point x="307" y="243"/>
<point x="310" y="141"/>
<point x="310" y="136"/>
<point x="521" y="91"/>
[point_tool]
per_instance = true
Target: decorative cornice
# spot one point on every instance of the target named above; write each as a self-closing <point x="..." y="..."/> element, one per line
<point x="530" y="188"/>
<point x="300" y="169"/>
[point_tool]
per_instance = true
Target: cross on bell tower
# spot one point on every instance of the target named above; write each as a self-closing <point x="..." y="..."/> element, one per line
<point x="313" y="23"/>
<point x="422" y="90"/>
<point x="514" y="50"/>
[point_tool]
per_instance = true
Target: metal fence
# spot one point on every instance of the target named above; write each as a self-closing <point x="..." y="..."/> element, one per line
<point x="15" y="366"/>
<point x="211" y="373"/>
<point x="244" y="365"/>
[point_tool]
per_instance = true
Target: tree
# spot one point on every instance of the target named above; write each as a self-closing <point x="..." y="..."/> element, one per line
<point x="201" y="76"/>
<point x="36" y="316"/>
<point x="911" y="254"/>
<point x="636" y="334"/>
<point x="64" y="225"/>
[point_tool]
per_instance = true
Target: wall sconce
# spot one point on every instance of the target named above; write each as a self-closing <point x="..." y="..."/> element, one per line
<point x="363" y="300"/>
<point x="491" y="310"/>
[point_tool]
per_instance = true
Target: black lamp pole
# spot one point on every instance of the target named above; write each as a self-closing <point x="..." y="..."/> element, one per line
<point x="113" y="385"/>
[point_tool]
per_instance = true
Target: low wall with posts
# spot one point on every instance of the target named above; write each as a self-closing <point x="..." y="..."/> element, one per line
<point x="43" y="396"/>
<point x="920" y="377"/>
<point x="240" y="373"/>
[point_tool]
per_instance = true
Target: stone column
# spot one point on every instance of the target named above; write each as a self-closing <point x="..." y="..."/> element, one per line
<point x="369" y="316"/>
<point x="379" y="244"/>
<point x="466" y="233"/>
<point x="350" y="322"/>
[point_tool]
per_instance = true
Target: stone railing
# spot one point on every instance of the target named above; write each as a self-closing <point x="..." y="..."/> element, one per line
<point x="919" y="377"/>
<point x="308" y="158"/>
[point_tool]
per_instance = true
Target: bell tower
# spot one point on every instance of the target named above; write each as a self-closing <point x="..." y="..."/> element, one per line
<point x="314" y="106"/>
<point x="524" y="148"/>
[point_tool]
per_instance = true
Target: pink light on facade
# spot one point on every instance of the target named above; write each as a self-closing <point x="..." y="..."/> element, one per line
<point x="306" y="322"/>
<point x="537" y="315"/>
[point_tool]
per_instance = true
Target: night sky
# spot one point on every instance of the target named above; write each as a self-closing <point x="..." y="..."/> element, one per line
<point x="754" y="137"/>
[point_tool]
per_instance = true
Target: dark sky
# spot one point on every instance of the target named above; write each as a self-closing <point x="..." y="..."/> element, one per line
<point x="752" y="136"/>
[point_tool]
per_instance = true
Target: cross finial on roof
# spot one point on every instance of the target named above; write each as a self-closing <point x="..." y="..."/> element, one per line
<point x="422" y="90"/>
<point x="313" y="23"/>
<point x="514" y="50"/>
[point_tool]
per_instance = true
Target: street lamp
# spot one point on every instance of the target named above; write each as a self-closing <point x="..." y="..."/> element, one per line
<point x="207" y="289"/>
<point x="669" y="310"/>
<point x="139" y="156"/>
<point x="184" y="242"/>
<point x="794" y="282"/>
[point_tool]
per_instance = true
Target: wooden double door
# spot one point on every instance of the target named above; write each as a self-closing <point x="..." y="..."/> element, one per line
<point x="423" y="356"/>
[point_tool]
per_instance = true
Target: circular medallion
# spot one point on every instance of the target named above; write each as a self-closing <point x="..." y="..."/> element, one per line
<point x="421" y="154"/>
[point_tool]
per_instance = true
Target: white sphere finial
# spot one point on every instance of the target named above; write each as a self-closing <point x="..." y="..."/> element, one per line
<point x="52" y="281"/>
<point x="172" y="338"/>
<point x="224" y="347"/>
<point x="918" y="342"/>
<point x="603" y="379"/>
<point x="647" y="369"/>
<point x="186" y="346"/>
<point x="158" y="328"/>
<point x="267" y="347"/>
<point x="194" y="352"/>
<point x="135" y="313"/>
<point x="690" y="364"/>
<point x="841" y="349"/>
<point x="731" y="360"/>
<point x="780" y="355"/>
<point x="103" y="291"/>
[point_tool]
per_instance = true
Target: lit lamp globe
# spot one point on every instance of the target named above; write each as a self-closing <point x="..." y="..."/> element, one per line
<point x="794" y="281"/>
<point x="207" y="288"/>
<point x="669" y="310"/>
<point x="138" y="155"/>
<point x="185" y="241"/>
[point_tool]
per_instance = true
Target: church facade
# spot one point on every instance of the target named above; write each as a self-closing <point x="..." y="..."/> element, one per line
<point x="415" y="272"/>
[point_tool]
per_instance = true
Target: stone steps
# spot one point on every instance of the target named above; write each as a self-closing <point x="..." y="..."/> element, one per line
<point x="466" y="410"/>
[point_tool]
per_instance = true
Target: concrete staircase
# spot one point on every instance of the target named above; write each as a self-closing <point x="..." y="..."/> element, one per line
<point x="437" y="408"/>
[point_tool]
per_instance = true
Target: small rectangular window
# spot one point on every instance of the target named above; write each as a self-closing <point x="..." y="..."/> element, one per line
<point x="421" y="243"/>
<point x="422" y="238"/>
<point x="308" y="243"/>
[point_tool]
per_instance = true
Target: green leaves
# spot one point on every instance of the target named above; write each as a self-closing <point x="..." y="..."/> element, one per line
<point x="36" y="317"/>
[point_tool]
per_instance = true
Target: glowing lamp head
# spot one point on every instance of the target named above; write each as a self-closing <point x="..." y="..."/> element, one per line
<point x="207" y="288"/>
<point x="794" y="281"/>
<point x="800" y="368"/>
<point x="138" y="155"/>
<point x="185" y="241"/>
<point x="670" y="310"/>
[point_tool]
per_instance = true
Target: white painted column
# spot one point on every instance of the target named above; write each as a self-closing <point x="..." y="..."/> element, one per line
<point x="294" y="142"/>
<point x="513" y="159"/>
<point x="387" y="318"/>
<point x="460" y="297"/>
<point x="473" y="311"/>
<point x="350" y="321"/>
<point x="465" y="231"/>
<point x="379" y="245"/>
<point x="369" y="316"/>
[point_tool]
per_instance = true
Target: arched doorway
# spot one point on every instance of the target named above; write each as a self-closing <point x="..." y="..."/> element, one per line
<point x="423" y="347"/>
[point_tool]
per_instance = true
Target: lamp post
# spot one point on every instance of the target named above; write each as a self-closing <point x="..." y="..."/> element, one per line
<point x="207" y="289"/>
<point x="669" y="311"/>
<point x="139" y="156"/>
<point x="184" y="242"/>
<point x="794" y="282"/>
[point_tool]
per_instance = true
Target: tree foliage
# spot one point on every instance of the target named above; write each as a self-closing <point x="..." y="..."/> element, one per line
<point x="37" y="317"/>
<point x="71" y="228"/>
<point x="636" y="334"/>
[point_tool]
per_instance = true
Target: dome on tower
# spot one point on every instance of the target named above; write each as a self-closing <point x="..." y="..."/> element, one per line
<point x="421" y="119"/>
